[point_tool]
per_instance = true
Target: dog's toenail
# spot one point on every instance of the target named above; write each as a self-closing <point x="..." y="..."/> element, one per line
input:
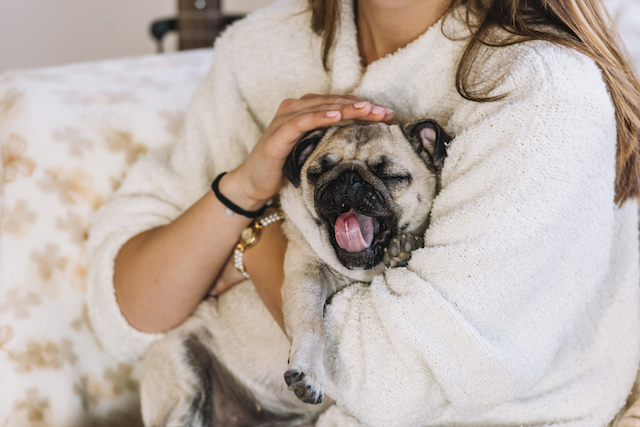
<point x="386" y="259"/>
<point x="394" y="250"/>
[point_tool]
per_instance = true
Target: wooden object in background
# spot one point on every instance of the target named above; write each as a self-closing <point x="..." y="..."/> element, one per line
<point x="199" y="22"/>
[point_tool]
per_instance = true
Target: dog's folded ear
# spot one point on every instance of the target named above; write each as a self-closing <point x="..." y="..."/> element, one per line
<point x="300" y="153"/>
<point x="428" y="136"/>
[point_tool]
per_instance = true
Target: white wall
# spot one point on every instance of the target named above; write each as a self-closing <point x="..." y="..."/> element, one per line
<point x="38" y="33"/>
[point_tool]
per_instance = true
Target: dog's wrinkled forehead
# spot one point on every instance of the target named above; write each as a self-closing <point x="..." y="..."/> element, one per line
<point x="364" y="142"/>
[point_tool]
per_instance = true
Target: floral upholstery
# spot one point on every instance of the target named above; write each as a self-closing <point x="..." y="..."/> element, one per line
<point x="67" y="136"/>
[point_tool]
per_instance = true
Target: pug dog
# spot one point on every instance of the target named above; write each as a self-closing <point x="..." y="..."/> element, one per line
<point x="359" y="195"/>
<point x="358" y="202"/>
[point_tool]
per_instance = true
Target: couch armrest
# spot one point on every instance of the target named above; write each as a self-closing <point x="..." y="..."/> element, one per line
<point x="67" y="136"/>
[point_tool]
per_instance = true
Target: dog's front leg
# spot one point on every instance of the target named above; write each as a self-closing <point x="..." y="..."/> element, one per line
<point x="304" y="293"/>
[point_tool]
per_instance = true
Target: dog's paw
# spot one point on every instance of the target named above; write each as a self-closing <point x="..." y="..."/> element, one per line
<point x="398" y="253"/>
<point x="306" y="387"/>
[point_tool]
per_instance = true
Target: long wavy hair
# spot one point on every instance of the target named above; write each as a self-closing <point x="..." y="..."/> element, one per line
<point x="583" y="25"/>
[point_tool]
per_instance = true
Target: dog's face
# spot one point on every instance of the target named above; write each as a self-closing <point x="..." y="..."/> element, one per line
<point x="365" y="183"/>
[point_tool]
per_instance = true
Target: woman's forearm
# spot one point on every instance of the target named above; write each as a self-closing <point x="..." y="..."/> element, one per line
<point x="161" y="275"/>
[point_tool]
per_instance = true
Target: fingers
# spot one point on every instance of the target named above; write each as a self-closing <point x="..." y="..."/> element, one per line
<point x="296" y="117"/>
<point x="314" y="102"/>
<point x="350" y="107"/>
<point x="361" y="110"/>
<point x="333" y="112"/>
<point x="364" y="110"/>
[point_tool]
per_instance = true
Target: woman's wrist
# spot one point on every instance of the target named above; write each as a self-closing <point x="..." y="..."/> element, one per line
<point x="250" y="236"/>
<point x="233" y="186"/>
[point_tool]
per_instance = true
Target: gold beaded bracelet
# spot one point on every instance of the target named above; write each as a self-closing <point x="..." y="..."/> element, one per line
<point x="249" y="237"/>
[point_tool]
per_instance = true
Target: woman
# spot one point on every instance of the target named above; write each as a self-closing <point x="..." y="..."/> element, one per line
<point x="523" y="307"/>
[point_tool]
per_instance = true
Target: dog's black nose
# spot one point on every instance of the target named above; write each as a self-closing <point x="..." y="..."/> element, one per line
<point x="350" y="178"/>
<point x="352" y="186"/>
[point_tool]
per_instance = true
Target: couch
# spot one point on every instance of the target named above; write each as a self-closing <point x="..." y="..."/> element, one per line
<point x="68" y="135"/>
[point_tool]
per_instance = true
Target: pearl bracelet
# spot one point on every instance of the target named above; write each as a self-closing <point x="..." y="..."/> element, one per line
<point x="249" y="237"/>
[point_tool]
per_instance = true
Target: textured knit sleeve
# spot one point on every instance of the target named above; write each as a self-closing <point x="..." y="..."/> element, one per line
<point x="217" y="134"/>
<point x="518" y="247"/>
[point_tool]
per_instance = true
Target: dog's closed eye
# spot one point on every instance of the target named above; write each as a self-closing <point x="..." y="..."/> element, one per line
<point x="324" y="165"/>
<point x="403" y="178"/>
<point x="383" y="169"/>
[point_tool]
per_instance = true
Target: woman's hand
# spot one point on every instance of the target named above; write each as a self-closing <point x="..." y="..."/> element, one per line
<point x="260" y="176"/>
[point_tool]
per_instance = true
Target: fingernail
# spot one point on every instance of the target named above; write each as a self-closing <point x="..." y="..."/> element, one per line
<point x="332" y="114"/>
<point x="360" y="104"/>
<point x="375" y="110"/>
<point x="388" y="111"/>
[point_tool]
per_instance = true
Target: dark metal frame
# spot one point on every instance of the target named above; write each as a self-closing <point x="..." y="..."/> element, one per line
<point x="162" y="27"/>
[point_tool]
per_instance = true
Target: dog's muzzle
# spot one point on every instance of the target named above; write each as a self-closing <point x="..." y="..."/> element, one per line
<point x="359" y="218"/>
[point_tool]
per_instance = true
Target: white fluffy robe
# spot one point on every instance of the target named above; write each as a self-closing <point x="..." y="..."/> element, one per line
<point x="523" y="308"/>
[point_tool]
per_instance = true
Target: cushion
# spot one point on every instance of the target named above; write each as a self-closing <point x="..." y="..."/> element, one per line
<point x="68" y="135"/>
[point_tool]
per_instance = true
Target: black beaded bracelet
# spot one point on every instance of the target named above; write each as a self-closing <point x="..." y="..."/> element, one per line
<point x="232" y="206"/>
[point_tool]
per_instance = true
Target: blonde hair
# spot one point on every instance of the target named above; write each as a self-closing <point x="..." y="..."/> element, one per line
<point x="583" y="25"/>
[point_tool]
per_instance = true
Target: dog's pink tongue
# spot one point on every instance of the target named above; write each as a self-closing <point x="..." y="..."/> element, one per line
<point x="354" y="231"/>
